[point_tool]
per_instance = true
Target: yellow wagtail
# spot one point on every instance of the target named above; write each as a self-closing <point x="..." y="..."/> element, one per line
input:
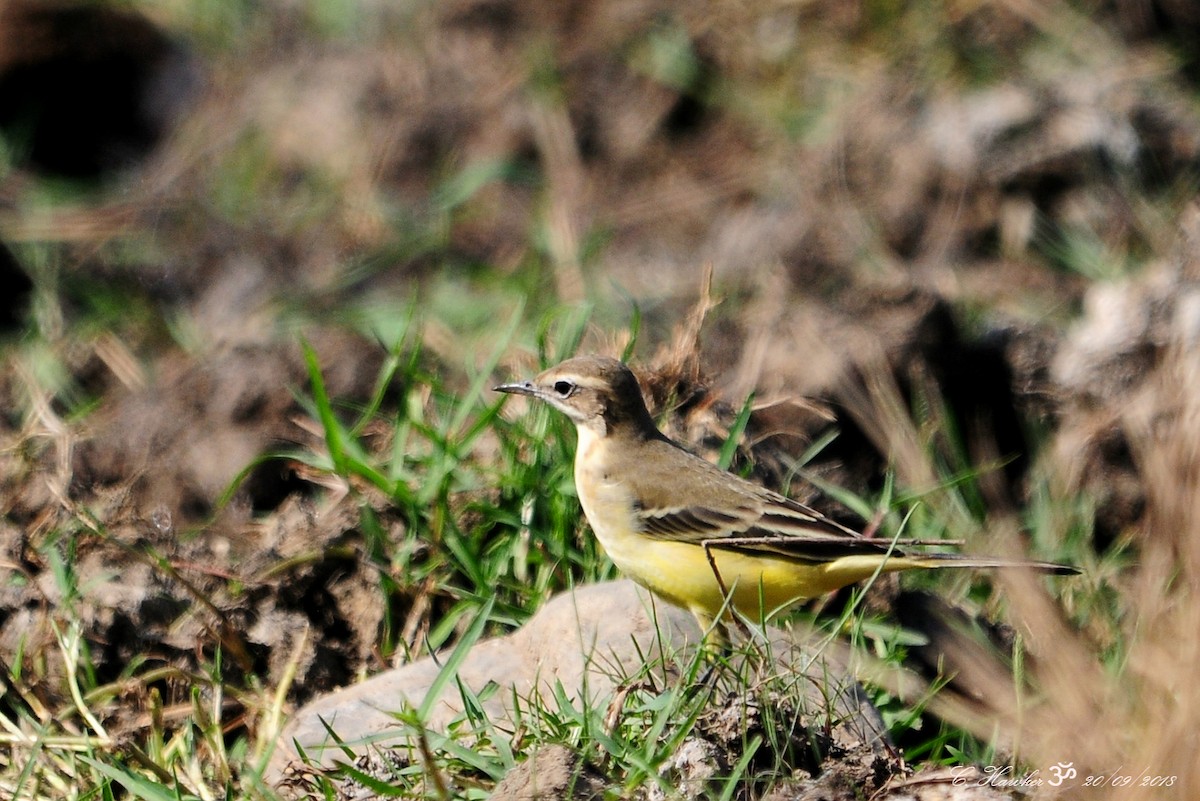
<point x="696" y="535"/>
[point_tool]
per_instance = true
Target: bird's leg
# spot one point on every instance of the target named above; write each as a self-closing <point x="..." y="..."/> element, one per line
<point x="725" y="593"/>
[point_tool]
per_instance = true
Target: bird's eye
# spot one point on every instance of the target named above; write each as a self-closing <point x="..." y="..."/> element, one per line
<point x="563" y="388"/>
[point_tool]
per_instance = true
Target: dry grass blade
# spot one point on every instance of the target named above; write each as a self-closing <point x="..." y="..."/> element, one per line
<point x="679" y="361"/>
<point x="1138" y="720"/>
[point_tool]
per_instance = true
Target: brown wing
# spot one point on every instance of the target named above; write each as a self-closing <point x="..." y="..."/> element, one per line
<point x="702" y="504"/>
<point x="724" y="512"/>
<point x="777" y="526"/>
<point x="694" y="523"/>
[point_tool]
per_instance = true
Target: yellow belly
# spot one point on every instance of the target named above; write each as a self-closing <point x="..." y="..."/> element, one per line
<point x="680" y="572"/>
<point x="758" y="585"/>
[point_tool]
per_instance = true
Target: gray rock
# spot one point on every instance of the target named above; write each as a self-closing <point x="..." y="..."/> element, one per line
<point x="587" y="641"/>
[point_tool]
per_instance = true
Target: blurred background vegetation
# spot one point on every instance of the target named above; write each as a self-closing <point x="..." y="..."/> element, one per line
<point x="260" y="260"/>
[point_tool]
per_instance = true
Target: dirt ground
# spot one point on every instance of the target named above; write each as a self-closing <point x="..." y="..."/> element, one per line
<point x="867" y="196"/>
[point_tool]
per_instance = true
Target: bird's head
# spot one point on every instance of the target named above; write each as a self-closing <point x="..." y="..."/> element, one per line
<point x="596" y="392"/>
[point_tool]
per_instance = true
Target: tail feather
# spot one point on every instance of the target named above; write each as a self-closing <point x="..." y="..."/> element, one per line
<point x="939" y="560"/>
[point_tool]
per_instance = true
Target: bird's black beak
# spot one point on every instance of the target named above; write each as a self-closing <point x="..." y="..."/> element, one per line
<point x="519" y="388"/>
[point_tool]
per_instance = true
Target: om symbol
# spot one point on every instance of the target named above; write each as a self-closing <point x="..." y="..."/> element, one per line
<point x="1061" y="772"/>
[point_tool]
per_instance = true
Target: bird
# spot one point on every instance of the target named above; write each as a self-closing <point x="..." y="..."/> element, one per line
<point x="696" y="535"/>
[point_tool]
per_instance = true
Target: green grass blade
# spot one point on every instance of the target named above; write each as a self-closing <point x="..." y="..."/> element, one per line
<point x="450" y="668"/>
<point x="737" y="776"/>
<point x="333" y="430"/>
<point x="735" y="434"/>
<point x="139" y="786"/>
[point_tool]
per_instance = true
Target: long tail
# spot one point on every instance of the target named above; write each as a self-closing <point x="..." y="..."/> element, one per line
<point x="844" y="570"/>
<point x="939" y="560"/>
